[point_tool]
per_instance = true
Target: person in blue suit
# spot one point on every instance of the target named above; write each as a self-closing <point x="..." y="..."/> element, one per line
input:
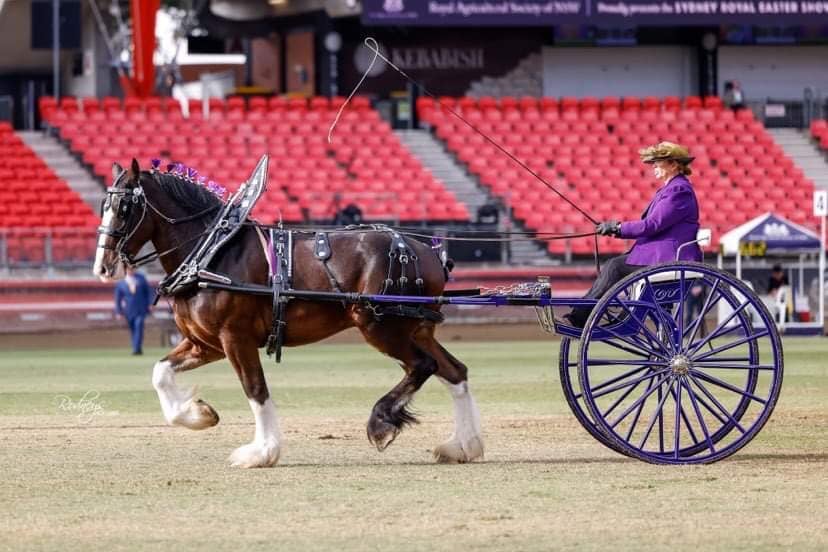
<point x="133" y="299"/>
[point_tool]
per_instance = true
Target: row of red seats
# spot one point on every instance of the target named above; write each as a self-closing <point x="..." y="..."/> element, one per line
<point x="627" y="103"/>
<point x="819" y="131"/>
<point x="595" y="162"/>
<point x="32" y="195"/>
<point x="380" y="163"/>
<point x="49" y="106"/>
<point x="245" y="123"/>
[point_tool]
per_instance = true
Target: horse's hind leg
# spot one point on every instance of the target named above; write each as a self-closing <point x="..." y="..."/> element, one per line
<point x="181" y="407"/>
<point x="466" y="443"/>
<point x="264" y="450"/>
<point x="390" y="414"/>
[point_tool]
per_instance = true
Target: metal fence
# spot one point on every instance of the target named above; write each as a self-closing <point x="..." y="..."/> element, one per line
<point x="46" y="247"/>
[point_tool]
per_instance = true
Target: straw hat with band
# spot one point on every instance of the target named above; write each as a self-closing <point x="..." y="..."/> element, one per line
<point x="664" y="151"/>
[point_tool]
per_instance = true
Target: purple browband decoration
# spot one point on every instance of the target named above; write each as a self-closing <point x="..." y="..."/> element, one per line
<point x="189" y="173"/>
<point x="216" y="189"/>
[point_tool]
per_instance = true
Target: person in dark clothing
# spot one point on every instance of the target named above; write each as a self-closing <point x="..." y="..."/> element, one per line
<point x="733" y="98"/>
<point x="133" y="299"/>
<point x="778" y="278"/>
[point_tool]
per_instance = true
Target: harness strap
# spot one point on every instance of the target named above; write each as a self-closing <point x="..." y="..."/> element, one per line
<point x="322" y="251"/>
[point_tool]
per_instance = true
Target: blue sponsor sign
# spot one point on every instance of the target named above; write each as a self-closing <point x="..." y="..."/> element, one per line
<point x="551" y="12"/>
<point x="777" y="233"/>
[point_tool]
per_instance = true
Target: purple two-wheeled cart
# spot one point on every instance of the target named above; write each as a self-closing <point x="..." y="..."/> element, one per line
<point x="679" y="363"/>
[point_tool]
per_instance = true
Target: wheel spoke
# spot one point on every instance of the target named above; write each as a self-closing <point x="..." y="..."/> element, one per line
<point x="699" y="416"/>
<point x="716" y="414"/>
<point x="715" y="333"/>
<point x="638" y="401"/>
<point x="680" y="312"/>
<point x="724" y="385"/>
<point x="636" y="352"/>
<point x="716" y="402"/>
<point x="638" y="414"/>
<point x="620" y="399"/>
<point x="615" y="388"/>
<point x="655" y="416"/>
<point x="625" y="362"/>
<point x="705" y="309"/>
<point x="654" y="340"/>
<point x="661" y="421"/>
<point x="725" y="366"/>
<point x="686" y="419"/>
<point x="677" y="426"/>
<point x="732" y="344"/>
<point x="633" y="341"/>
<point x="613" y="380"/>
<point x="660" y="313"/>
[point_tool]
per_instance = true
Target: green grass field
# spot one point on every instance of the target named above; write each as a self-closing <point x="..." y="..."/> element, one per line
<point x="120" y="479"/>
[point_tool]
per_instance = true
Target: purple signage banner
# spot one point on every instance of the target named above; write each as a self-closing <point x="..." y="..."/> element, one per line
<point x="627" y="12"/>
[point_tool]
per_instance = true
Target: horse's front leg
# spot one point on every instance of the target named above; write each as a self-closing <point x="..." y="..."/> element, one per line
<point x="181" y="407"/>
<point x="264" y="450"/>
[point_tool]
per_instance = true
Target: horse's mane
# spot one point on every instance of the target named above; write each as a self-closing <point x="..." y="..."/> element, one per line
<point x="188" y="195"/>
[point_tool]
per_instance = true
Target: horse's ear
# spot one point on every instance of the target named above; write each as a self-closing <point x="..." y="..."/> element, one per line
<point x="116" y="171"/>
<point x="136" y="170"/>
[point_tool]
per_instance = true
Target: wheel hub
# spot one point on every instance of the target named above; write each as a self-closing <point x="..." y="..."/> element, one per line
<point x="680" y="365"/>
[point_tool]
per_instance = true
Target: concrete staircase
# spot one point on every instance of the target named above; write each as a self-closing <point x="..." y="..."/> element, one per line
<point x="433" y="155"/>
<point x="68" y="168"/>
<point x="798" y="146"/>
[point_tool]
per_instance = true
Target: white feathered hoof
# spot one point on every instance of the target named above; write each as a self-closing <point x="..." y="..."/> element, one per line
<point x="255" y="455"/>
<point x="196" y="414"/>
<point x="455" y="452"/>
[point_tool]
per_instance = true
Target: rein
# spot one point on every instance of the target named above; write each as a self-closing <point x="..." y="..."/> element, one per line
<point x="418" y="233"/>
<point x="372" y="45"/>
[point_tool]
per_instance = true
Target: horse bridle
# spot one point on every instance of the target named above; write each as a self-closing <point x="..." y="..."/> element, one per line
<point x="129" y="198"/>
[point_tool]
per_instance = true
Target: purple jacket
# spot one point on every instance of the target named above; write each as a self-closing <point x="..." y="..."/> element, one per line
<point x="671" y="220"/>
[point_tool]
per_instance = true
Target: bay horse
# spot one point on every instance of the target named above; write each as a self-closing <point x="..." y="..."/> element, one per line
<point x="171" y="212"/>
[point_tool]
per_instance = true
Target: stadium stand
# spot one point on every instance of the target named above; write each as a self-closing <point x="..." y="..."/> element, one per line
<point x="819" y="132"/>
<point x="309" y="179"/>
<point x="524" y="80"/>
<point x="40" y="215"/>
<point x="587" y="148"/>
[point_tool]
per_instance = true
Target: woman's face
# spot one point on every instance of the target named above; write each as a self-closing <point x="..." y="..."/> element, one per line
<point x="663" y="170"/>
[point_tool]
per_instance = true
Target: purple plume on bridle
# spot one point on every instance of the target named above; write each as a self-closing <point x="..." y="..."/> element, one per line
<point x="190" y="174"/>
<point x="216" y="189"/>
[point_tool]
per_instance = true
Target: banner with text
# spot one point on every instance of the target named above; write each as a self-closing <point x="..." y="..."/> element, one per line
<point x="605" y="12"/>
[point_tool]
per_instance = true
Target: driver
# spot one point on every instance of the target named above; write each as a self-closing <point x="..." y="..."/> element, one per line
<point x="671" y="219"/>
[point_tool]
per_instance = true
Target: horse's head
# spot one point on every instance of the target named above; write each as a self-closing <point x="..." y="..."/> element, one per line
<point x="124" y="225"/>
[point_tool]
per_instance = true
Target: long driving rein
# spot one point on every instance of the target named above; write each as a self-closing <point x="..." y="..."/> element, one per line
<point x="127" y="198"/>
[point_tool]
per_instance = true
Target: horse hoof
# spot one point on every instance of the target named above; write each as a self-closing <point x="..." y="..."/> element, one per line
<point x="255" y="455"/>
<point x="197" y="414"/>
<point x="381" y="434"/>
<point x="454" y="452"/>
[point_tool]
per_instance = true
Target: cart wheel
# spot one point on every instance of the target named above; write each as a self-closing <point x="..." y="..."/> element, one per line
<point x="571" y="386"/>
<point x="663" y="389"/>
